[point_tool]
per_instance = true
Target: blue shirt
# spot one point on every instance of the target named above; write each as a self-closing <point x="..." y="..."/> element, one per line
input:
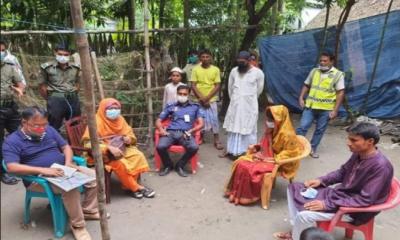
<point x="182" y="116"/>
<point x="17" y="148"/>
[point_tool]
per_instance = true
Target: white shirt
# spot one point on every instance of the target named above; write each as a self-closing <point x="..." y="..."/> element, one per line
<point x="170" y="95"/>
<point x="244" y="90"/>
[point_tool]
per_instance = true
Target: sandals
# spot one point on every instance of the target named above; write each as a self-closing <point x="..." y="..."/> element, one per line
<point x="95" y="216"/>
<point x="148" y="192"/>
<point x="283" y="235"/>
<point x="144" y="192"/>
<point x="137" y="194"/>
<point x="224" y="155"/>
<point x="313" y="154"/>
<point x="218" y="146"/>
<point x="80" y="233"/>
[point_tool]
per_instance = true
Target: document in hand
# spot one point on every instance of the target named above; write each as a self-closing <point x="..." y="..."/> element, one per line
<point x="72" y="178"/>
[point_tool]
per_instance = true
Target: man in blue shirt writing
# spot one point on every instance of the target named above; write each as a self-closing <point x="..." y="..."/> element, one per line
<point x="32" y="149"/>
<point x="183" y="115"/>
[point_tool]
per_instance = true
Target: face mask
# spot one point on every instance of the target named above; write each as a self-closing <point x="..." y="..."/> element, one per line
<point x="193" y="59"/>
<point x="324" y="68"/>
<point x="182" y="99"/>
<point x="37" y="134"/>
<point x="62" y="59"/>
<point x="3" y="55"/>
<point x="270" y="124"/>
<point x="242" y="67"/>
<point x="113" y="113"/>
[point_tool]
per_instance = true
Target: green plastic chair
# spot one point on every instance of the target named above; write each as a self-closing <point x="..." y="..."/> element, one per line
<point x="58" y="212"/>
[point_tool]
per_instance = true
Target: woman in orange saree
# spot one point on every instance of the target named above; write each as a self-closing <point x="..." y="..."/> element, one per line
<point x="118" y="146"/>
<point x="279" y="142"/>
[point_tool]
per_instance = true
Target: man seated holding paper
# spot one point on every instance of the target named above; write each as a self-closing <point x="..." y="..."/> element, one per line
<point x="362" y="181"/>
<point x="32" y="149"/>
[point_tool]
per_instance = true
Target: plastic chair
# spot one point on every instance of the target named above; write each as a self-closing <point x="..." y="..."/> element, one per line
<point x="269" y="179"/>
<point x="176" y="148"/>
<point x="57" y="207"/>
<point x="367" y="229"/>
<point x="75" y="128"/>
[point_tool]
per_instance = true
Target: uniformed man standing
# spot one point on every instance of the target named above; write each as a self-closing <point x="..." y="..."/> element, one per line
<point x="325" y="88"/>
<point x="59" y="85"/>
<point x="11" y="86"/>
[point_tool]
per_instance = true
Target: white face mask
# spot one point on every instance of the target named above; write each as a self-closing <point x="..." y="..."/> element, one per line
<point x="62" y="59"/>
<point x="324" y="68"/>
<point x="182" y="99"/>
<point x="113" y="113"/>
<point x="3" y="55"/>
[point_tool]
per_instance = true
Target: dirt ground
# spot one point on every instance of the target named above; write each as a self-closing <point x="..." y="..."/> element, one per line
<point x="193" y="207"/>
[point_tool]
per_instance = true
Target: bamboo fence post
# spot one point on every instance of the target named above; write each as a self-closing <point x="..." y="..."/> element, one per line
<point x="148" y="75"/>
<point x="97" y="74"/>
<point x="83" y="47"/>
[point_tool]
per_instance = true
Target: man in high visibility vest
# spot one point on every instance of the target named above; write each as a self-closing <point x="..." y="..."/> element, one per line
<point x="325" y="88"/>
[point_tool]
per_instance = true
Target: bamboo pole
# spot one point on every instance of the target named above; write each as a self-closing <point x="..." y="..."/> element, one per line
<point x="83" y="47"/>
<point x="182" y="29"/>
<point x="97" y="74"/>
<point x="148" y="75"/>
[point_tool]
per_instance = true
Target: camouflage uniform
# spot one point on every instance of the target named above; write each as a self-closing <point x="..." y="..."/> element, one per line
<point x="10" y="118"/>
<point x="62" y="91"/>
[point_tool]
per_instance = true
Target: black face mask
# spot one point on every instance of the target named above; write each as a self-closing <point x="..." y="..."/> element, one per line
<point x="242" y="67"/>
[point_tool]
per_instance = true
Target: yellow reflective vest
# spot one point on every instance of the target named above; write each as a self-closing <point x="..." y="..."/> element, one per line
<point x="322" y="93"/>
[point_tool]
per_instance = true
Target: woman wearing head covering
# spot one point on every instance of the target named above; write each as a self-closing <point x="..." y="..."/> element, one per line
<point x="278" y="143"/>
<point x="118" y="145"/>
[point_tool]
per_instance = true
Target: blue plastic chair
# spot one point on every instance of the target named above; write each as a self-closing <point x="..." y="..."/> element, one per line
<point x="57" y="207"/>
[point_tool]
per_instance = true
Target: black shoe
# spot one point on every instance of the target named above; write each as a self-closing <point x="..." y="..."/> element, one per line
<point x="9" y="180"/>
<point x="181" y="172"/>
<point x="137" y="194"/>
<point x="148" y="192"/>
<point x="165" y="171"/>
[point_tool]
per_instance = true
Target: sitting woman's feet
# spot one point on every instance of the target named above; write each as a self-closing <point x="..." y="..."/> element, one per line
<point x="138" y="194"/>
<point x="148" y="192"/>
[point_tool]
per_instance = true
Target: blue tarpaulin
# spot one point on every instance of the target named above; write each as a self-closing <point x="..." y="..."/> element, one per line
<point x="288" y="59"/>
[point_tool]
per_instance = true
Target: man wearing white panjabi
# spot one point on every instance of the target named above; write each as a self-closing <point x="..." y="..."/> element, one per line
<point x="245" y="86"/>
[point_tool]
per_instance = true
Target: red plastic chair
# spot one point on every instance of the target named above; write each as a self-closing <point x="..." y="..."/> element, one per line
<point x="176" y="148"/>
<point x="75" y="128"/>
<point x="368" y="228"/>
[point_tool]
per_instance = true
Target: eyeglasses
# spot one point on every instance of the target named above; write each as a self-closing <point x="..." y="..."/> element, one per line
<point x="37" y="125"/>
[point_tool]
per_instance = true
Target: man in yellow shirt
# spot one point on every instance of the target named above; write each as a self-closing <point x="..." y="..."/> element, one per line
<point x="206" y="83"/>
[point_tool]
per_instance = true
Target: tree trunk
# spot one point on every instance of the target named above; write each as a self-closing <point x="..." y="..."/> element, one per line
<point x="278" y="27"/>
<point x="274" y="20"/>
<point x="161" y="17"/>
<point x="254" y="19"/>
<point x="323" y="42"/>
<point x="153" y="22"/>
<point x="225" y="94"/>
<point x="131" y="22"/>
<point x="186" y="39"/>
<point x="148" y="76"/>
<point x="83" y="47"/>
<point x="342" y="20"/>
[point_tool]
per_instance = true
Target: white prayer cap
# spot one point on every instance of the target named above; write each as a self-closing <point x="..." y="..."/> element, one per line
<point x="176" y="69"/>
